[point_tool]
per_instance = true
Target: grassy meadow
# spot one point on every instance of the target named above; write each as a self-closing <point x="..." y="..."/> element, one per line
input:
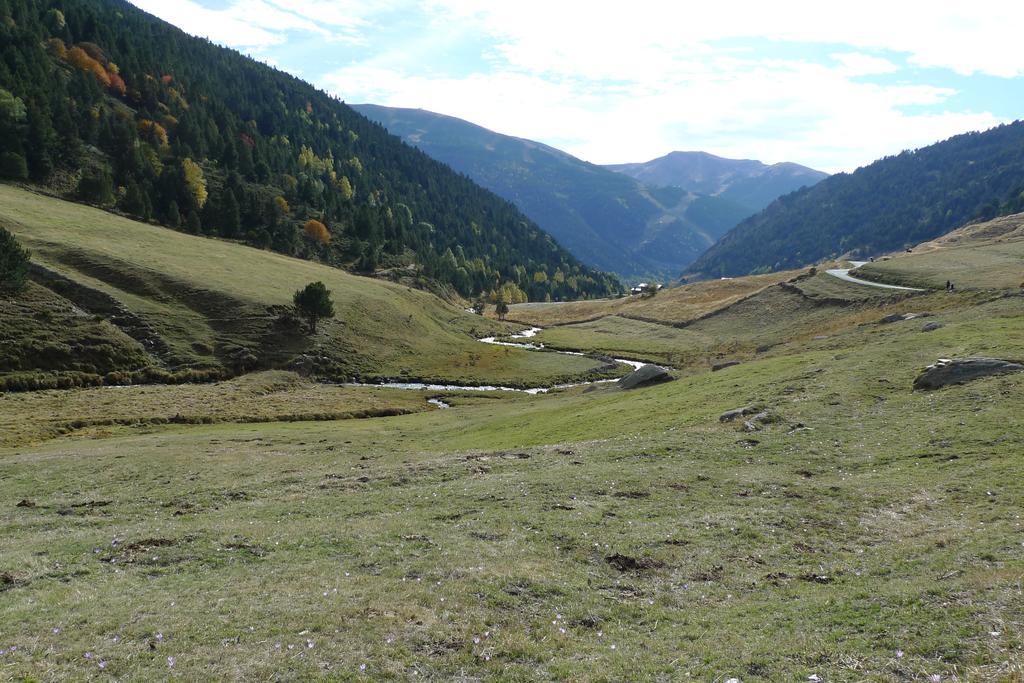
<point x="855" y="531"/>
<point x="199" y="302"/>
<point x="668" y="305"/>
<point x="976" y="256"/>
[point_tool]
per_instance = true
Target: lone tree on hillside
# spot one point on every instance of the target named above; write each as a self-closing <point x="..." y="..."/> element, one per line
<point x="313" y="303"/>
<point x="501" y="308"/>
<point x="13" y="263"/>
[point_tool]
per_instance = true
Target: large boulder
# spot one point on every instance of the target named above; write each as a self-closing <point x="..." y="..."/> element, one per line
<point x="644" y="376"/>
<point x="959" y="370"/>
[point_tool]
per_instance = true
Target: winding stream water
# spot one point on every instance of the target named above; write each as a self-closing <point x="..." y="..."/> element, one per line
<point x="525" y="334"/>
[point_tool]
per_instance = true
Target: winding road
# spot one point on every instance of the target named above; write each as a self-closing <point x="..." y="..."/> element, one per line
<point x="844" y="274"/>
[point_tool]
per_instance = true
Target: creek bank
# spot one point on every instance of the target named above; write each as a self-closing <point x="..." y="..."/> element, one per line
<point x="525" y="334"/>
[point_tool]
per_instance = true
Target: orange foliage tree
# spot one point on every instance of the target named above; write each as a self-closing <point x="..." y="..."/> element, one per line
<point x="79" y="58"/>
<point x="117" y="83"/>
<point x="158" y="132"/>
<point x="317" y="231"/>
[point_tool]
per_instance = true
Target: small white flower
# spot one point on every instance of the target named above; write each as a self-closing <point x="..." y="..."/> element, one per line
<point x="899" y="654"/>
<point x="171" y="661"/>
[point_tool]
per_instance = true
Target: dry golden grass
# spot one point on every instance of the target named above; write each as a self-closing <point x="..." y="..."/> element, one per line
<point x="669" y="305"/>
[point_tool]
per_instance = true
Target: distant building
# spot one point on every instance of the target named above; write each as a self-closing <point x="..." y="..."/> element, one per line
<point x="645" y="288"/>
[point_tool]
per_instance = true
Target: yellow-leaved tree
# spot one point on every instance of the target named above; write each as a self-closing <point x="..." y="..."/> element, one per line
<point x="194" y="181"/>
<point x="317" y="231"/>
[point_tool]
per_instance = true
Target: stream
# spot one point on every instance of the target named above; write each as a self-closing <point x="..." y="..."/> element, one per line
<point x="530" y="346"/>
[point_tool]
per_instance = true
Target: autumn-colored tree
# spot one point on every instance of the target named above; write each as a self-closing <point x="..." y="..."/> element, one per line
<point x="194" y="181"/>
<point x="57" y="47"/>
<point x="345" y="188"/>
<point x="282" y="204"/>
<point x="317" y="231"/>
<point x="117" y="83"/>
<point x="81" y="59"/>
<point x="154" y="129"/>
<point x="94" y="51"/>
<point x="56" y="20"/>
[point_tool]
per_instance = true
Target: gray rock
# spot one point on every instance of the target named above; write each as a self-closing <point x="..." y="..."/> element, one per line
<point x="931" y="327"/>
<point x="730" y="415"/>
<point x="645" y="375"/>
<point x="959" y="370"/>
<point x="897" y="317"/>
<point x="722" y="366"/>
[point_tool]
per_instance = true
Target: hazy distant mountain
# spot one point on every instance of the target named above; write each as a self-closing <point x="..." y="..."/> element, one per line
<point x="890" y="204"/>
<point x="604" y="218"/>
<point x="744" y="181"/>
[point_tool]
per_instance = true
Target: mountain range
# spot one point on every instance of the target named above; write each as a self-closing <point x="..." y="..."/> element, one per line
<point x="638" y="223"/>
<point x="891" y="204"/>
<point x="746" y="182"/>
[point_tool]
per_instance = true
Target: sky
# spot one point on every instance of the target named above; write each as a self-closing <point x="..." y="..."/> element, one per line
<point x="828" y="85"/>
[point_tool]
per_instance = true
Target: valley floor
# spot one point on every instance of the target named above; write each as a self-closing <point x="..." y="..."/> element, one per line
<point x="859" y="531"/>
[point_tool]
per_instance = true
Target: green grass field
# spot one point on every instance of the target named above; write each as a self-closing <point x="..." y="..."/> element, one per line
<point x="775" y="319"/>
<point x="859" y="531"/>
<point x="202" y="300"/>
<point x="525" y="538"/>
<point x="988" y="255"/>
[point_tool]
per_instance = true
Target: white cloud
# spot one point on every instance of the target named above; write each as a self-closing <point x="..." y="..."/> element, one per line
<point x="976" y="37"/>
<point x="771" y="110"/>
<point x="611" y="82"/>
<point x="259" y="24"/>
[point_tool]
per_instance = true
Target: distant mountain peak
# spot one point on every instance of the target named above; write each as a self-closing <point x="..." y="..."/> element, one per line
<point x="747" y="182"/>
<point x="640" y="230"/>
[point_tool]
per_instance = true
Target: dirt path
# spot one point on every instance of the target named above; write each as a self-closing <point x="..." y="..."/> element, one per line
<point x="844" y="274"/>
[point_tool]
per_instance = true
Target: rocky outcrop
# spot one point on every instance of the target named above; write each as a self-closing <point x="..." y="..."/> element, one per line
<point x="730" y="415"/>
<point x="645" y="375"/>
<point x="959" y="370"/>
<point x="722" y="366"/>
<point x="897" y="317"/>
<point x="932" y="326"/>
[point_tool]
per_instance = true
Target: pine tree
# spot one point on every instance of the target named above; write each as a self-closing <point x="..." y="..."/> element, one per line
<point x="313" y="303"/>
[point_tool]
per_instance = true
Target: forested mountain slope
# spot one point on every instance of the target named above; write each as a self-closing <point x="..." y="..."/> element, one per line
<point x="746" y="182"/>
<point x="892" y="203"/>
<point x="111" y="106"/>
<point x="604" y="218"/>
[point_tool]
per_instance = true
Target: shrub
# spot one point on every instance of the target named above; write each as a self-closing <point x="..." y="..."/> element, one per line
<point x="13" y="263"/>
